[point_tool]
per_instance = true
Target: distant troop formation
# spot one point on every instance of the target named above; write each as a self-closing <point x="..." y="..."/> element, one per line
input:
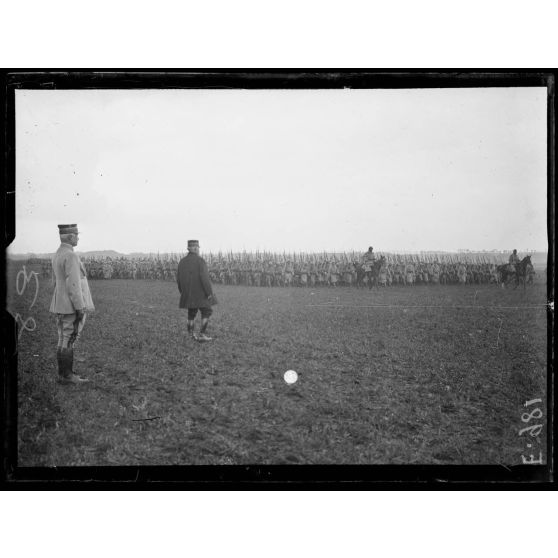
<point x="128" y="268"/>
<point x="332" y="272"/>
<point x="309" y="270"/>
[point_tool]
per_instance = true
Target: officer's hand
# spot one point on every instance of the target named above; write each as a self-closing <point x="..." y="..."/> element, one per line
<point x="80" y="314"/>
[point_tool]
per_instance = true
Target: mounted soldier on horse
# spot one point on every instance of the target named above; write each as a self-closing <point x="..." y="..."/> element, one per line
<point x="516" y="269"/>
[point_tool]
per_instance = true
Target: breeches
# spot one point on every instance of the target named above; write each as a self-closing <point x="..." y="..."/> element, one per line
<point x="205" y="312"/>
<point x="68" y="330"/>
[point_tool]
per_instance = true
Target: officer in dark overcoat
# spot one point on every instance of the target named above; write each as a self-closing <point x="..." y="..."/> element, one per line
<point x="196" y="292"/>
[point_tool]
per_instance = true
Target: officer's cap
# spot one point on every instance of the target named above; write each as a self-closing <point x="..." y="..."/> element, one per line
<point x="67" y="229"/>
<point x="193" y="243"/>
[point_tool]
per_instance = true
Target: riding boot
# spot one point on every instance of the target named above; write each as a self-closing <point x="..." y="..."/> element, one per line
<point x="65" y="362"/>
<point x="190" y="327"/>
<point x="202" y="336"/>
<point x="59" y="361"/>
<point x="68" y="376"/>
<point x="69" y="361"/>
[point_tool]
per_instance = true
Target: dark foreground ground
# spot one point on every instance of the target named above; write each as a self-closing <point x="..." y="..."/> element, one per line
<point x="434" y="375"/>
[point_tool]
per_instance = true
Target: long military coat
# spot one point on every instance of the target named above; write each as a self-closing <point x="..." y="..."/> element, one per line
<point x="71" y="290"/>
<point x="193" y="281"/>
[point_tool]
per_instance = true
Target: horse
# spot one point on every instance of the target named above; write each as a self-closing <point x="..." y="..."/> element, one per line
<point x="530" y="275"/>
<point x="360" y="274"/>
<point x="522" y="270"/>
<point x="374" y="271"/>
<point x="505" y="272"/>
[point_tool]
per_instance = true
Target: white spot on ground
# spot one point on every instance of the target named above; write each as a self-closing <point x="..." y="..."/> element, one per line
<point x="290" y="376"/>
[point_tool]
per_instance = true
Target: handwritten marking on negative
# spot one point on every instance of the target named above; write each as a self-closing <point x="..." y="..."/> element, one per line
<point x="22" y="281"/>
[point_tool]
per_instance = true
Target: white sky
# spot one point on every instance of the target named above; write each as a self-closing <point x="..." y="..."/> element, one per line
<point x="145" y="170"/>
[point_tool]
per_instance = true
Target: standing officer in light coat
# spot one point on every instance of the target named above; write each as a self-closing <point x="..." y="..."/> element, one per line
<point x="195" y="289"/>
<point x="70" y="301"/>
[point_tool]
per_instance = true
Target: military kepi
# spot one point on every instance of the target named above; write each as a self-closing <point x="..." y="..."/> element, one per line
<point x="193" y="243"/>
<point x="67" y="229"/>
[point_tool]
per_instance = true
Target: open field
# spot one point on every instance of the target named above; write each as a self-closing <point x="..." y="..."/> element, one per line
<point x="424" y="375"/>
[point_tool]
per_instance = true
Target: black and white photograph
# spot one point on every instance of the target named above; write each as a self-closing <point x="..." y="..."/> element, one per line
<point x="281" y="269"/>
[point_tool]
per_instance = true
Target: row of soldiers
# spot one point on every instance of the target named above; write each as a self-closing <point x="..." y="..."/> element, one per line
<point x="331" y="273"/>
<point x="306" y="270"/>
<point x="129" y="268"/>
<point x="124" y="268"/>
